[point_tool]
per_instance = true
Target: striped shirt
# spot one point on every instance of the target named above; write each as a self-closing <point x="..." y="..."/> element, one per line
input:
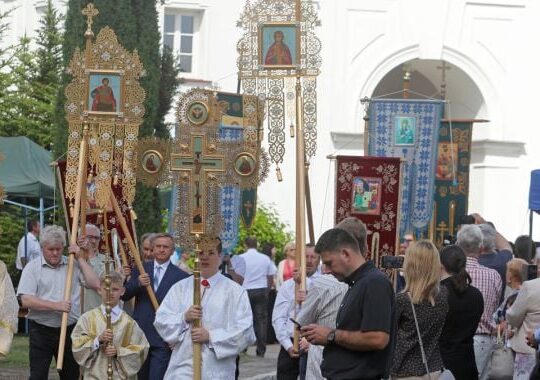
<point x="488" y="281"/>
<point x="321" y="306"/>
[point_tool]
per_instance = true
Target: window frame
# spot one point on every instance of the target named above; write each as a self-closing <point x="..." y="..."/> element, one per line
<point x="196" y="48"/>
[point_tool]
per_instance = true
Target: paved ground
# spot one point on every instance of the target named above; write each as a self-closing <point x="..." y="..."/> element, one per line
<point x="251" y="367"/>
<point x="255" y="368"/>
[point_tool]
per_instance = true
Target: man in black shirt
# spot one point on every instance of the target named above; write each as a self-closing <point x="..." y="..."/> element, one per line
<point x="360" y="346"/>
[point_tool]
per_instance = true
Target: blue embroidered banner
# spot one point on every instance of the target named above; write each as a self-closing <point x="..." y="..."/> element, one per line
<point x="408" y="129"/>
<point x="230" y="196"/>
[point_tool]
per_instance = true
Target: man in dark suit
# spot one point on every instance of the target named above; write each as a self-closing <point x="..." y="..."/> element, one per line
<point x="161" y="275"/>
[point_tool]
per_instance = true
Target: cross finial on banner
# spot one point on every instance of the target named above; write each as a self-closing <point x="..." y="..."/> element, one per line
<point x="90" y="12"/>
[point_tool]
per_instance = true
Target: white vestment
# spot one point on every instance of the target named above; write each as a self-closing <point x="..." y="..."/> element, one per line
<point x="227" y="317"/>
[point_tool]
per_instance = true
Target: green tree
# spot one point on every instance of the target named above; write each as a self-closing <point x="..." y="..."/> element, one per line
<point x="169" y="82"/>
<point x="26" y="107"/>
<point x="11" y="230"/>
<point x="267" y="228"/>
<point x="49" y="52"/>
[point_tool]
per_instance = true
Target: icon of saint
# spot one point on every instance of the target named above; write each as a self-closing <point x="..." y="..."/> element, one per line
<point x="152" y="163"/>
<point x="103" y="97"/>
<point x="244" y="167"/>
<point x="406" y="133"/>
<point x="278" y="53"/>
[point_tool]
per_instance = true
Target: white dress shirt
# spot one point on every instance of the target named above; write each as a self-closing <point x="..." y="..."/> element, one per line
<point x="285" y="308"/>
<point x="163" y="269"/>
<point x="33" y="250"/>
<point x="258" y="268"/>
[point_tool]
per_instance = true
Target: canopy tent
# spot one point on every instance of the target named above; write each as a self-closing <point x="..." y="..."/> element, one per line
<point x="26" y="175"/>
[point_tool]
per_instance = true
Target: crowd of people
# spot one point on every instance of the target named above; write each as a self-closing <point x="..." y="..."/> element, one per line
<point x="442" y="315"/>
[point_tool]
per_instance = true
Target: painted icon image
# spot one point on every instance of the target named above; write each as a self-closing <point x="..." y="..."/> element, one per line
<point x="278" y="45"/>
<point x="245" y="164"/>
<point x="447" y="161"/>
<point x="151" y="161"/>
<point x="104" y="92"/>
<point x="366" y="195"/>
<point x="197" y="113"/>
<point x="404" y="130"/>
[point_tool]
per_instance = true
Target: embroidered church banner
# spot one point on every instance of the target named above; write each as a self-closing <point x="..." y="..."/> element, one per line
<point x="95" y="216"/>
<point x="408" y="129"/>
<point x="451" y="179"/>
<point x="369" y="188"/>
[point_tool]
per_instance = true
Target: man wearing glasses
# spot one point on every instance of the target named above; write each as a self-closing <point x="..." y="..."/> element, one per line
<point x="89" y="245"/>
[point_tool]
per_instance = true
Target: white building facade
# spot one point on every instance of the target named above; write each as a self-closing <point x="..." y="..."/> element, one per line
<point x="491" y="47"/>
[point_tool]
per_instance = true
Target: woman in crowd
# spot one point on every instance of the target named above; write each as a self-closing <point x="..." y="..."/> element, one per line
<point x="465" y="308"/>
<point x="422" y="271"/>
<point x="523" y="315"/>
<point x="286" y="266"/>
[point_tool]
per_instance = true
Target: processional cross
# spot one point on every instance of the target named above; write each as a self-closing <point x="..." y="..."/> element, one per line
<point x="90" y="12"/>
<point x="443" y="68"/>
<point x="442" y="228"/>
<point x="197" y="169"/>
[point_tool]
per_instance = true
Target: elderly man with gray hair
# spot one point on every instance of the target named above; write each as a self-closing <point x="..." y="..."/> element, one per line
<point x="89" y="244"/>
<point x="41" y="290"/>
<point x="496" y="250"/>
<point x="488" y="281"/>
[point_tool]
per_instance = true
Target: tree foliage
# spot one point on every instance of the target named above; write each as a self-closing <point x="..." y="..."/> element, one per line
<point x="267" y="228"/>
<point x="29" y="79"/>
<point x="169" y="82"/>
<point x="12" y="228"/>
<point x="32" y="76"/>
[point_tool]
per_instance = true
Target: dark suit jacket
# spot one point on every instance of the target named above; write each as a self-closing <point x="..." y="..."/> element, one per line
<point x="144" y="312"/>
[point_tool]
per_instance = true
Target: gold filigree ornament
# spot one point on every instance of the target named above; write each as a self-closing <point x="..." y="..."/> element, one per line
<point x="198" y="108"/>
<point x="105" y="95"/>
<point x="153" y="164"/>
<point x="248" y="168"/>
<point x="278" y="46"/>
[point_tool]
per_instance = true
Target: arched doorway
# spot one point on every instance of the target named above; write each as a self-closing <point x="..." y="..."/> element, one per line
<point x="426" y="80"/>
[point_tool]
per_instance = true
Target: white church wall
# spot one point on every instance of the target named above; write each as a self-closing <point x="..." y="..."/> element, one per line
<point x="493" y="42"/>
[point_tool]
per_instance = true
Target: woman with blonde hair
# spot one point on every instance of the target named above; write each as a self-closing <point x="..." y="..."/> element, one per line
<point x="422" y="303"/>
<point x="286" y="266"/>
<point x="523" y="315"/>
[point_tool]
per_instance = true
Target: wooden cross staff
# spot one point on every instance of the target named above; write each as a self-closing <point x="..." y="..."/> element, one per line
<point x="81" y="188"/>
<point x="132" y="247"/>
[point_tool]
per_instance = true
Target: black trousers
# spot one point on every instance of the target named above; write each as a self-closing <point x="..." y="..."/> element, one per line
<point x="44" y="341"/>
<point x="258" y="298"/>
<point x="155" y="365"/>
<point x="289" y="368"/>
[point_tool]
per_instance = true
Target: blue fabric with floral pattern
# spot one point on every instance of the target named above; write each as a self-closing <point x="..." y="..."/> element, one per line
<point x="408" y="129"/>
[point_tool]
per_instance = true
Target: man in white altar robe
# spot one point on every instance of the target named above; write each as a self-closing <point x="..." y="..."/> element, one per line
<point x="226" y="323"/>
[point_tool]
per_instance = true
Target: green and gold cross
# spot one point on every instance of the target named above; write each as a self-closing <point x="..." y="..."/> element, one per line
<point x="198" y="166"/>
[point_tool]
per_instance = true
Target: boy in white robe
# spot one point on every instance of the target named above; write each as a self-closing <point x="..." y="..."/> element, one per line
<point x="226" y="323"/>
<point x="93" y="343"/>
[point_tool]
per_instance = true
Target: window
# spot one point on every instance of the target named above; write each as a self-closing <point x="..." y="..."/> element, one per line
<point x="179" y="34"/>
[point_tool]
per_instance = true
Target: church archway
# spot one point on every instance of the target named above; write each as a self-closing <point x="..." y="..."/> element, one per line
<point x="436" y="79"/>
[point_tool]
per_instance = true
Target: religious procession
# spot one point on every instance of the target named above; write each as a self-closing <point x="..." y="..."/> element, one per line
<point x="155" y="154"/>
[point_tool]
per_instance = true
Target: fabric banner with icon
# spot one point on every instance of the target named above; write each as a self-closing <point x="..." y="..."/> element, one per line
<point x="451" y="179"/>
<point x="95" y="215"/>
<point x="369" y="188"/>
<point x="408" y="129"/>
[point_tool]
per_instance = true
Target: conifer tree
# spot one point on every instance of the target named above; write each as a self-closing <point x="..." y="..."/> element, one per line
<point x="170" y="71"/>
<point x="49" y="52"/>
